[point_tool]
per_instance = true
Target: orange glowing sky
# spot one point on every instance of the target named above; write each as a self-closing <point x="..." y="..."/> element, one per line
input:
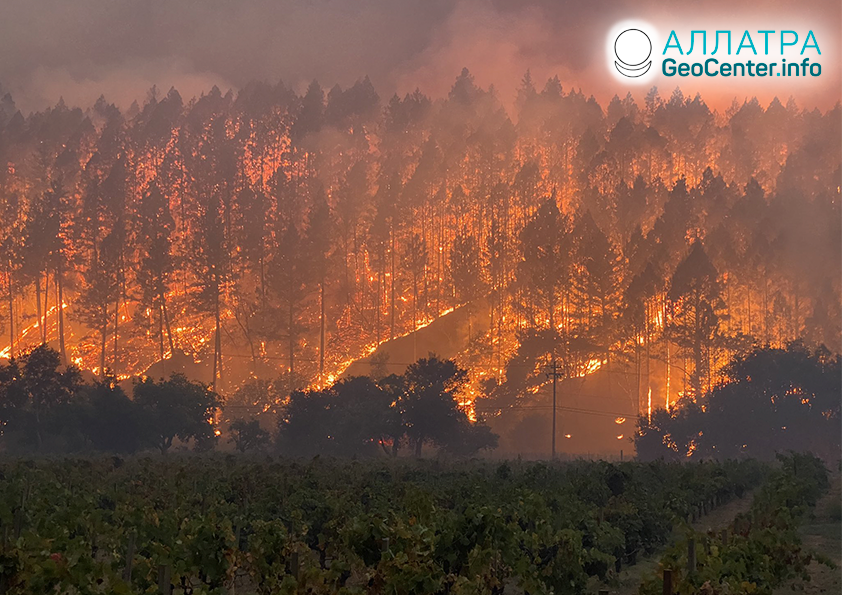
<point x="79" y="50"/>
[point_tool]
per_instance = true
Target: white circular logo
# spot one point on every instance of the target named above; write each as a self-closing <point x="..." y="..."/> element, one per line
<point x="633" y="49"/>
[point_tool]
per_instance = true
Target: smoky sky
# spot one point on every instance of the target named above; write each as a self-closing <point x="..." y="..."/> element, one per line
<point x="79" y="49"/>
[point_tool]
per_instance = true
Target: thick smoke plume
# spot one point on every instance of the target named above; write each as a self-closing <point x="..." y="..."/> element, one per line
<point x="81" y="49"/>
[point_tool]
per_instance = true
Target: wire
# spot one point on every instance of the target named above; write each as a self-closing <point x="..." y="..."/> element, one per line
<point x="392" y="363"/>
<point x="559" y="408"/>
<point x="511" y="408"/>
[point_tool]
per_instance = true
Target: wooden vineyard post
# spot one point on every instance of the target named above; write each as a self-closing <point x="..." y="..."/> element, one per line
<point x="127" y="570"/>
<point x="164" y="581"/>
<point x="691" y="555"/>
<point x="384" y="545"/>
<point x="667" y="582"/>
<point x="18" y="519"/>
<point x="294" y="565"/>
<point x="18" y="522"/>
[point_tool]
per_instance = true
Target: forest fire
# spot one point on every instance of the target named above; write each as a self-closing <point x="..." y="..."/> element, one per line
<point x="269" y="234"/>
<point x="498" y="310"/>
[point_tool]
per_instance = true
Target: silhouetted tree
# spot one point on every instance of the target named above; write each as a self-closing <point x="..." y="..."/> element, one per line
<point x="248" y="436"/>
<point x="176" y="408"/>
<point x="773" y="400"/>
<point x="695" y="294"/>
<point x="430" y="407"/>
<point x="33" y="389"/>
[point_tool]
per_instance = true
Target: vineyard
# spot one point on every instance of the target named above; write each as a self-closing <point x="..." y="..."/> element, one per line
<point x="384" y="298"/>
<point x="760" y="549"/>
<point x="235" y="525"/>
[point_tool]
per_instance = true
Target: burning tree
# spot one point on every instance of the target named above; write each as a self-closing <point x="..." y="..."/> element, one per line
<point x="303" y="232"/>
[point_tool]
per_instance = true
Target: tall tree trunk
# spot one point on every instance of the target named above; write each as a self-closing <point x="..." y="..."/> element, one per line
<point x="60" y="307"/>
<point x="648" y="356"/>
<point x="45" y="324"/>
<point x="321" y="327"/>
<point x="38" y="439"/>
<point x="217" y="346"/>
<point x="116" y="328"/>
<point x="38" y="305"/>
<point x="748" y="302"/>
<point x="291" y="339"/>
<point x="765" y="308"/>
<point x="262" y="262"/>
<point x="346" y="271"/>
<point x="161" y="331"/>
<point x="103" y="335"/>
<point x="378" y="305"/>
<point x="698" y="354"/>
<point x="638" y="373"/>
<point x="392" y="284"/>
<point x="167" y="323"/>
<point x="121" y="289"/>
<point x="414" y="316"/>
<point x="667" y="377"/>
<point x="11" y="312"/>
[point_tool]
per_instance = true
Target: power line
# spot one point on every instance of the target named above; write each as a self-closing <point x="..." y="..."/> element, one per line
<point x="554" y="374"/>
<point x="510" y="408"/>
<point x="362" y="361"/>
<point x="561" y="408"/>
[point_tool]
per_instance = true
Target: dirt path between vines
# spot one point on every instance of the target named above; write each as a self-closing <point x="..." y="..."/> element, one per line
<point x="627" y="582"/>
<point x="823" y="535"/>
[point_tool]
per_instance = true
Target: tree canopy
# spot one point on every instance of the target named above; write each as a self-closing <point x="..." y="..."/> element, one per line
<point x="773" y="400"/>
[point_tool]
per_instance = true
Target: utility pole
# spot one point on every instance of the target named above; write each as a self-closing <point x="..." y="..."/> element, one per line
<point x="554" y="374"/>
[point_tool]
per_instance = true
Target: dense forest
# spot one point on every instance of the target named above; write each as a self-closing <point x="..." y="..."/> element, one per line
<point x="280" y="236"/>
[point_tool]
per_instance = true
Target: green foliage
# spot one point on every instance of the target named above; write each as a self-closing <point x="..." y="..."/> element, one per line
<point x="462" y="528"/>
<point x="773" y="400"/>
<point x="34" y="392"/>
<point x="112" y="422"/>
<point x="176" y="408"/>
<point x="249" y="436"/>
<point x="359" y="416"/>
<point x="763" y="549"/>
<point x="45" y="406"/>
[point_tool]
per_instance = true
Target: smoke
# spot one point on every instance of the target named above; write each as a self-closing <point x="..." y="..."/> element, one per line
<point x="120" y="48"/>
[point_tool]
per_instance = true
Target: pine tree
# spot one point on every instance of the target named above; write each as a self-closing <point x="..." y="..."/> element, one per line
<point x="466" y="271"/>
<point x="155" y="226"/>
<point x="695" y="297"/>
